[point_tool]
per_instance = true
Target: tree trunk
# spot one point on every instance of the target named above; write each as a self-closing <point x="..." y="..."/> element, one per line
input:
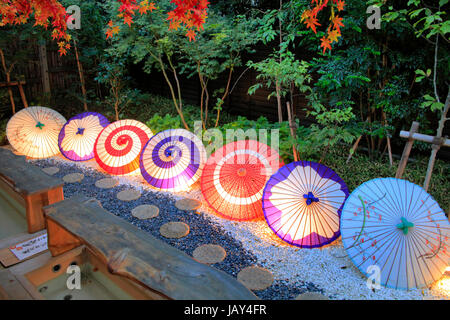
<point x="81" y="74"/>
<point x="436" y="147"/>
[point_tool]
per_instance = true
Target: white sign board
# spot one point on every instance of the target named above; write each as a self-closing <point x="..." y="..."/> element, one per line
<point x="30" y="247"/>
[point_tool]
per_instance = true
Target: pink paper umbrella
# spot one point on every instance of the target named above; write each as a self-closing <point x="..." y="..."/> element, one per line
<point x="302" y="204"/>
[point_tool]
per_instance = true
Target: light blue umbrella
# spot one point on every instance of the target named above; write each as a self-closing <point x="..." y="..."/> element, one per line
<point x="396" y="227"/>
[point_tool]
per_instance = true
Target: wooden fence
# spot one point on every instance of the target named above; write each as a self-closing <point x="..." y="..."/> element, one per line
<point x="47" y="72"/>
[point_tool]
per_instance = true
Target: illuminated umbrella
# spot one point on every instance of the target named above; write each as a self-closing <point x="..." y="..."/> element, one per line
<point x="34" y="132"/>
<point x="302" y="204"/>
<point x="77" y="137"/>
<point x="119" y="145"/>
<point x="234" y="177"/>
<point x="396" y="227"/>
<point x="173" y="160"/>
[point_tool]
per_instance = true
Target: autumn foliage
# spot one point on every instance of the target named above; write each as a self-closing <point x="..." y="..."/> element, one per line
<point x="46" y="13"/>
<point x="188" y="13"/>
<point x="309" y="17"/>
<point x="50" y="13"/>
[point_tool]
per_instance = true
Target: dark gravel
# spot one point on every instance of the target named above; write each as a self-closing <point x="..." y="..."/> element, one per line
<point x="202" y="229"/>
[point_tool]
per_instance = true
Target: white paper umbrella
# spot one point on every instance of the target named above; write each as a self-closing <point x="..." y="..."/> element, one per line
<point x="119" y="146"/>
<point x="34" y="132"/>
<point x="173" y="160"/>
<point x="396" y="228"/>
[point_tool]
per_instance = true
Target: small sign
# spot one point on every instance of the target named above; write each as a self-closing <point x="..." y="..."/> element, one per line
<point x="29" y="248"/>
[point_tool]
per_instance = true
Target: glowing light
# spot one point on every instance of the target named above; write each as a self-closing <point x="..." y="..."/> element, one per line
<point x="34" y="131"/>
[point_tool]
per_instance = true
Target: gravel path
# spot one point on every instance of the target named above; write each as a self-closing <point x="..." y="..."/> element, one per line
<point x="327" y="271"/>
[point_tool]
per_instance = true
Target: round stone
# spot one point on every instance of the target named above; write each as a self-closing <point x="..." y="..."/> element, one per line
<point x="106" y="183"/>
<point x="311" y="296"/>
<point x="129" y="195"/>
<point x="144" y="212"/>
<point x="174" y="230"/>
<point x="255" y="278"/>
<point x="51" y="170"/>
<point x="209" y="254"/>
<point x="73" y="178"/>
<point x="188" y="204"/>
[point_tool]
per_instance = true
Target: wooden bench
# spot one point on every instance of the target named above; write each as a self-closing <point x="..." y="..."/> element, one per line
<point x="29" y="186"/>
<point x="134" y="254"/>
<point x="24" y="190"/>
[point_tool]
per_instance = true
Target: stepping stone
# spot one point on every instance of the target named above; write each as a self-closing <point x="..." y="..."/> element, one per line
<point x="311" y="296"/>
<point x="73" y="178"/>
<point x="129" y="195"/>
<point x="146" y="211"/>
<point x="209" y="254"/>
<point x="255" y="278"/>
<point x="188" y="204"/>
<point x="51" y="170"/>
<point x="174" y="230"/>
<point x="106" y="183"/>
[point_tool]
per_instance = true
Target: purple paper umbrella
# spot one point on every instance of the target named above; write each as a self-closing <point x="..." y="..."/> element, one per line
<point x="77" y="137"/>
<point x="302" y="204"/>
<point x="173" y="160"/>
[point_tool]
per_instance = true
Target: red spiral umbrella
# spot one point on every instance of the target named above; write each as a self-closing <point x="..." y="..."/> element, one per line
<point x="119" y="145"/>
<point x="234" y="177"/>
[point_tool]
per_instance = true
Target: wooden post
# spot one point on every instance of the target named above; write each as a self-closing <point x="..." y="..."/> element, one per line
<point x="22" y="93"/>
<point x="407" y="150"/>
<point x="44" y="68"/>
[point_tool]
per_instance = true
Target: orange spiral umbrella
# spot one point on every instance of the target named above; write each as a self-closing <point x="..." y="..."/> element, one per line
<point x="234" y="177"/>
<point x="119" y="145"/>
<point x="34" y="132"/>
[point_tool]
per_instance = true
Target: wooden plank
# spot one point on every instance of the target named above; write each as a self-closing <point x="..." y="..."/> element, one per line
<point x="136" y="255"/>
<point x="24" y="177"/>
<point x="11" y="288"/>
<point x="12" y="83"/>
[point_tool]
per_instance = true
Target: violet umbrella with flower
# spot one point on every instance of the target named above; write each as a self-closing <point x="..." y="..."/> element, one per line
<point x="77" y="137"/>
<point x="302" y="204"/>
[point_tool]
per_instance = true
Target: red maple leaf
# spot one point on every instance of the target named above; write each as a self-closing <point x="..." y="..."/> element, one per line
<point x="191" y="35"/>
<point x="337" y="23"/>
<point x="312" y="23"/>
<point x="326" y="44"/>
